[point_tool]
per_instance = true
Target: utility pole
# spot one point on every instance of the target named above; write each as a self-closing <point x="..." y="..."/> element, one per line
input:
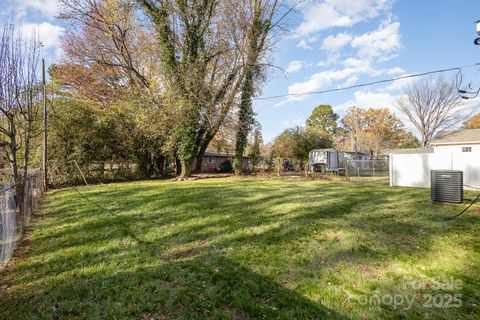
<point x="44" y="130"/>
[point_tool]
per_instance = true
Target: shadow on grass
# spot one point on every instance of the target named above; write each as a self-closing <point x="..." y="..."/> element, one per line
<point x="397" y="233"/>
<point x="203" y="287"/>
<point x="183" y="267"/>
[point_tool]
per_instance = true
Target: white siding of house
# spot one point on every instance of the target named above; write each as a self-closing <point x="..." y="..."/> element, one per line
<point x="456" y="148"/>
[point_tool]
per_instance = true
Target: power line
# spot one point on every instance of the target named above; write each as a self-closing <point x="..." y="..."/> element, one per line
<point x="367" y="83"/>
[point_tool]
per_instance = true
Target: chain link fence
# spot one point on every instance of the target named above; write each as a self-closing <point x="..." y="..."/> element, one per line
<point x="12" y="222"/>
<point x="366" y="168"/>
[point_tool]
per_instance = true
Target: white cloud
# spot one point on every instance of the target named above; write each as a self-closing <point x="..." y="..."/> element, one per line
<point x="401" y="83"/>
<point x="370" y="49"/>
<point x="47" y="8"/>
<point x="351" y="81"/>
<point x="324" y="14"/>
<point x="369" y="99"/>
<point x="293" y="123"/>
<point x="379" y="43"/>
<point x="45" y="32"/>
<point x="334" y="43"/>
<point x="306" y="42"/>
<point x="295" y="66"/>
<point x="350" y="74"/>
<point x="319" y="80"/>
<point x="303" y="44"/>
<point x="395" y="70"/>
<point x="352" y="68"/>
<point x="316" y="82"/>
<point x="331" y="59"/>
<point x="354" y="62"/>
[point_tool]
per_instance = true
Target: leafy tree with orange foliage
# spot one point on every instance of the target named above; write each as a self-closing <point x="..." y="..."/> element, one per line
<point x="373" y="130"/>
<point x="473" y="122"/>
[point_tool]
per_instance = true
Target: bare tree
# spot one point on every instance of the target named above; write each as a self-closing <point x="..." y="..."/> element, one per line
<point x="20" y="94"/>
<point x="108" y="49"/>
<point x="432" y="105"/>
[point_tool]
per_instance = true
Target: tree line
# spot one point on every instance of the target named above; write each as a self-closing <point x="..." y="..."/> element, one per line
<point x="155" y="83"/>
<point x="158" y="80"/>
<point x="371" y="131"/>
<point x="430" y="105"/>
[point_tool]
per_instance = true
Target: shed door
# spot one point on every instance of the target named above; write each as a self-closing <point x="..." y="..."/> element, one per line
<point x="332" y="160"/>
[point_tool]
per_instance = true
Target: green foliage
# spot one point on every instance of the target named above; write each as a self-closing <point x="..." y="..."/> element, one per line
<point x="323" y="118"/>
<point x="185" y="68"/>
<point x="296" y="143"/>
<point x="186" y="133"/>
<point x="71" y="131"/>
<point x="242" y="249"/>
<point x="194" y="61"/>
<point x="226" y="166"/>
<point x="255" y="153"/>
<point x="258" y="30"/>
<point x="245" y="120"/>
<point x="87" y="133"/>
<point x="404" y="139"/>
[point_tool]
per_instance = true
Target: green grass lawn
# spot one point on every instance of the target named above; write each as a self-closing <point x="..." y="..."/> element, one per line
<point x="233" y="248"/>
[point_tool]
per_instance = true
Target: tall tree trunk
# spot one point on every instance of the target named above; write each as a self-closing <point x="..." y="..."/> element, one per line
<point x="201" y="152"/>
<point x="159" y="164"/>
<point x="178" y="166"/>
<point x="257" y="35"/>
<point x="245" y="119"/>
<point x="17" y="180"/>
<point x="166" y="166"/>
<point x="199" y="159"/>
<point x="186" y="169"/>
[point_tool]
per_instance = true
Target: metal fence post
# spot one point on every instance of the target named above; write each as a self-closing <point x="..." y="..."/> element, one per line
<point x="347" y="177"/>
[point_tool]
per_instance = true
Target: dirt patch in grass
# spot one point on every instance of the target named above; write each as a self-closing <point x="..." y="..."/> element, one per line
<point x="189" y="251"/>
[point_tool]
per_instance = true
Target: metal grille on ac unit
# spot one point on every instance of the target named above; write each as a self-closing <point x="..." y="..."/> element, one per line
<point x="446" y="186"/>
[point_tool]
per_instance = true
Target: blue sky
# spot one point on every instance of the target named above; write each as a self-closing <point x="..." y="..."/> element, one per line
<point x="333" y="43"/>
<point x="336" y="43"/>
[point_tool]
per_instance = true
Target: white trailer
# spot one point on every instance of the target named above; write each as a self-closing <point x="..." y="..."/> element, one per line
<point x="324" y="160"/>
<point x="331" y="160"/>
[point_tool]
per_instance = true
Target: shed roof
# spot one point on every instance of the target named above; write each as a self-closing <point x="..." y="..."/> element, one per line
<point x="457" y="137"/>
<point x="332" y="149"/>
<point x="355" y="152"/>
<point x="327" y="149"/>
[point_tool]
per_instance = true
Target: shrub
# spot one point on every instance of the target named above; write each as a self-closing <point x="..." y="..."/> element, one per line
<point x="226" y="166"/>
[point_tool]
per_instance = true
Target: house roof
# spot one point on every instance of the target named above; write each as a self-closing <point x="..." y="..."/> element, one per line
<point x="457" y="137"/>
<point x="327" y="149"/>
<point x="409" y="150"/>
<point x="220" y="154"/>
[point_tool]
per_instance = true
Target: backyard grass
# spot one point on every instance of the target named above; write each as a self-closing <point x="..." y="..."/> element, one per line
<point x="232" y="248"/>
